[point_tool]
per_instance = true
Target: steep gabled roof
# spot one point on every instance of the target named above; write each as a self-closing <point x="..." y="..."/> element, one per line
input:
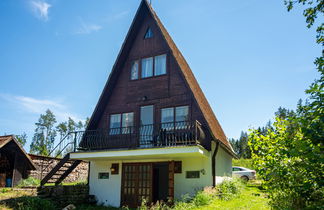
<point x="4" y="140"/>
<point x="199" y="96"/>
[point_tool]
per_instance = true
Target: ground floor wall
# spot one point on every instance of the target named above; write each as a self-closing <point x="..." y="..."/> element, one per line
<point x="108" y="191"/>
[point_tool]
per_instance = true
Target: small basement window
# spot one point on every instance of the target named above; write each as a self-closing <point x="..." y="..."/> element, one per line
<point x="148" y="34"/>
<point x="192" y="174"/>
<point x="103" y="175"/>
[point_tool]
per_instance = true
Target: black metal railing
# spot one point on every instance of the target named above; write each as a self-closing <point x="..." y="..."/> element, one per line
<point x="144" y="136"/>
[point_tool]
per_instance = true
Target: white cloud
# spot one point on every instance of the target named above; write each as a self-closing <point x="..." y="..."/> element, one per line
<point x="39" y="106"/>
<point x="111" y="18"/>
<point x="87" y="28"/>
<point x="40" y="9"/>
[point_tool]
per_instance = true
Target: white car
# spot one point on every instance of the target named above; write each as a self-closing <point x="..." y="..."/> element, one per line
<point x="243" y="173"/>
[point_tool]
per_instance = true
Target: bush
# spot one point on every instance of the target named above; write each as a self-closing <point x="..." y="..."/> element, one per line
<point x="229" y="189"/>
<point x="29" y="182"/>
<point x="226" y="190"/>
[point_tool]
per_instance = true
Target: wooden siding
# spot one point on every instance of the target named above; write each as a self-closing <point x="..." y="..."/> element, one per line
<point x="162" y="91"/>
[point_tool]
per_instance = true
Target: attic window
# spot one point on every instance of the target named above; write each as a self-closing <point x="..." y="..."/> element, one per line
<point x="148" y="34"/>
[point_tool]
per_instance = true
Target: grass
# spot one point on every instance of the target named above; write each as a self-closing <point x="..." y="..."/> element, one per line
<point x="250" y="198"/>
<point x="8" y="193"/>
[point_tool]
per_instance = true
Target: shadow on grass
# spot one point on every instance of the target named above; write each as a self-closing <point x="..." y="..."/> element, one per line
<point x="28" y="202"/>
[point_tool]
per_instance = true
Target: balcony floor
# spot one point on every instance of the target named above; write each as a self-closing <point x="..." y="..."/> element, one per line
<point x="143" y="153"/>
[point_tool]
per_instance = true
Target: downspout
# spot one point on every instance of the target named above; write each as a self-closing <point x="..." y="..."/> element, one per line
<point x="214" y="163"/>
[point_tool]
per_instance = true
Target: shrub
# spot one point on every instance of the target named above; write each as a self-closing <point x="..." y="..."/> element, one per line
<point x="229" y="189"/>
<point x="29" y="182"/>
<point x="202" y="198"/>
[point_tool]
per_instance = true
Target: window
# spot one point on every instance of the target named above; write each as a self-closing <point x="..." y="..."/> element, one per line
<point x="236" y="169"/>
<point x="167" y="118"/>
<point x="179" y="115"/>
<point x="103" y="175"/>
<point x="134" y="70"/>
<point x="182" y="113"/>
<point x="152" y="66"/>
<point x="115" y="124"/>
<point x="121" y="123"/>
<point x="147" y="67"/>
<point x="160" y="65"/>
<point x="127" y="122"/>
<point x="192" y="174"/>
<point x="148" y="34"/>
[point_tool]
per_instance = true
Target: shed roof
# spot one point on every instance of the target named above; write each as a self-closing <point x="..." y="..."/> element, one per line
<point x="4" y="140"/>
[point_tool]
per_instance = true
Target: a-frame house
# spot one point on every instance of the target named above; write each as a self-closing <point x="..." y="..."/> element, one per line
<point x="153" y="134"/>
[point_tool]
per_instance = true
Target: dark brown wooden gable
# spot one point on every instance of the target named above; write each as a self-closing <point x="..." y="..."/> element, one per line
<point x="178" y="87"/>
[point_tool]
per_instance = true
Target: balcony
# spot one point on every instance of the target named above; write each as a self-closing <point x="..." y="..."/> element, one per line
<point x="186" y="133"/>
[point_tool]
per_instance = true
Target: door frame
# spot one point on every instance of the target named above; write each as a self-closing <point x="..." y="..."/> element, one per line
<point x="170" y="179"/>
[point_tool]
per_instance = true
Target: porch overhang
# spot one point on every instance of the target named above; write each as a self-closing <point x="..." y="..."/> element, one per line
<point x="143" y="153"/>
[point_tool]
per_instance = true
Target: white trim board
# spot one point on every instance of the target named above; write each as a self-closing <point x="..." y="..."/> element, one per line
<point x="155" y="153"/>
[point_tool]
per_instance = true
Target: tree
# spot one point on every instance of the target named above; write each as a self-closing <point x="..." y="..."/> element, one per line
<point x="314" y="8"/>
<point x="22" y="139"/>
<point x="44" y="135"/>
<point x="240" y="146"/>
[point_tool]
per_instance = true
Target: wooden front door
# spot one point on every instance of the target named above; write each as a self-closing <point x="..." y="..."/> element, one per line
<point x="136" y="184"/>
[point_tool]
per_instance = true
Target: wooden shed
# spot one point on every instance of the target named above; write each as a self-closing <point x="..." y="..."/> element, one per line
<point x="14" y="162"/>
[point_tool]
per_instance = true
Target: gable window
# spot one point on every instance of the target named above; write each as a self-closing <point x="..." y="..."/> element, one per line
<point x="121" y="123"/>
<point x="160" y="65"/>
<point x="175" y="116"/>
<point x="134" y="70"/>
<point x="147" y="67"/>
<point x="148" y="34"/>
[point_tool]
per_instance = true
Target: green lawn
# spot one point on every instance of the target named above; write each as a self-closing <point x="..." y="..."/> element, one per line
<point x="251" y="198"/>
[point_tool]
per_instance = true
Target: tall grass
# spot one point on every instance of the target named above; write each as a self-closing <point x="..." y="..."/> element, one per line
<point x="227" y="190"/>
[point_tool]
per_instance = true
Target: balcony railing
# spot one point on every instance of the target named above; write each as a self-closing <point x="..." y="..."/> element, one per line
<point x="146" y="136"/>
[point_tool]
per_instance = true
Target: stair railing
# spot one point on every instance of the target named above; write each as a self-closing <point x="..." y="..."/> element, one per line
<point x="72" y="142"/>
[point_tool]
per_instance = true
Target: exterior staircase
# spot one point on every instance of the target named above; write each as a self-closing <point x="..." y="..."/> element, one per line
<point x="66" y="165"/>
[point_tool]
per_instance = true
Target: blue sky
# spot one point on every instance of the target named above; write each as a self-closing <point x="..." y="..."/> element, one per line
<point x="250" y="57"/>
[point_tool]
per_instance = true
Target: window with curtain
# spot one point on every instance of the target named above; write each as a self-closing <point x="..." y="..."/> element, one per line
<point x="147" y="67"/>
<point x="160" y="65"/>
<point x="182" y="117"/>
<point x="115" y="124"/>
<point x="134" y="70"/>
<point x="167" y="118"/>
<point x="127" y="122"/>
<point x="121" y="123"/>
<point x="177" y="116"/>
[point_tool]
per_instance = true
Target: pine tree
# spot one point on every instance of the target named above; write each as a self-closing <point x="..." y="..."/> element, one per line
<point x="45" y="134"/>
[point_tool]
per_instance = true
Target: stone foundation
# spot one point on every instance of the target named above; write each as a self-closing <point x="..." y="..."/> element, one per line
<point x="65" y="195"/>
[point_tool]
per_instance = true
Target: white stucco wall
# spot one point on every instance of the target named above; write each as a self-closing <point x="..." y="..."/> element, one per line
<point x="223" y="163"/>
<point x="183" y="186"/>
<point x="108" y="191"/>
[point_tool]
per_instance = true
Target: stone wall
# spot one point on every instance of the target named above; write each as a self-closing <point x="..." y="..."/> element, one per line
<point x="79" y="174"/>
<point x="64" y="195"/>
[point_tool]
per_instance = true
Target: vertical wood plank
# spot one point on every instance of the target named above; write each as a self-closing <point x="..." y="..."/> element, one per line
<point x="171" y="181"/>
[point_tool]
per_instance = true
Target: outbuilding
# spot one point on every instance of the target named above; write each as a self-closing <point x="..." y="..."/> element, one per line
<point x="15" y="163"/>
